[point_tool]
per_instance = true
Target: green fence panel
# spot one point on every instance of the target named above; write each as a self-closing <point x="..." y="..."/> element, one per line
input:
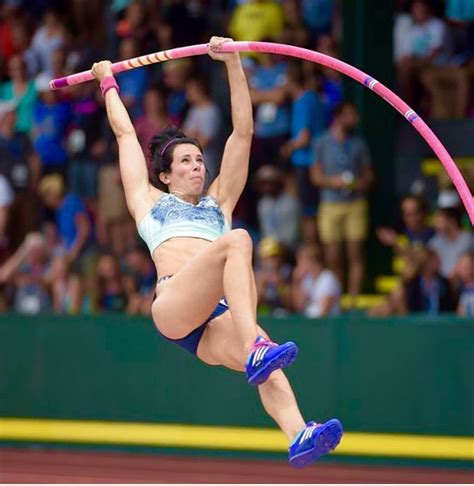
<point x="410" y="375"/>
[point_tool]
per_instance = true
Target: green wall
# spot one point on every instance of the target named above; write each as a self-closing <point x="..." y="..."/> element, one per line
<point x="411" y="375"/>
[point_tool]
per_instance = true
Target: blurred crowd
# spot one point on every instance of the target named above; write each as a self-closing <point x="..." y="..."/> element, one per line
<point x="67" y="242"/>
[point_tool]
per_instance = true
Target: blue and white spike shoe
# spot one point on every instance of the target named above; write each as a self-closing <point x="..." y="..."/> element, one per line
<point x="314" y="441"/>
<point x="266" y="357"/>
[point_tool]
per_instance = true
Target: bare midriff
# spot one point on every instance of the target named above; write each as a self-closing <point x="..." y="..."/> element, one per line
<point x="172" y="255"/>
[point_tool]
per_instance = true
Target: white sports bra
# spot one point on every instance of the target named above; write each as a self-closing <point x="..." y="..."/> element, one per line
<point x="172" y="217"/>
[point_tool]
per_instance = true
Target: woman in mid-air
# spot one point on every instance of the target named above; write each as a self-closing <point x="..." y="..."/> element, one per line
<point x="199" y="259"/>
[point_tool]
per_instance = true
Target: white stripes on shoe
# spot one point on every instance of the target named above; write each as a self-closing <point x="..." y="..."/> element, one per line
<point x="258" y="356"/>
<point x="307" y="433"/>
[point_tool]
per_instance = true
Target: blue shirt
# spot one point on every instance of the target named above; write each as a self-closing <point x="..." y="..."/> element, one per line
<point x="50" y="125"/>
<point x="307" y="112"/>
<point x="66" y="218"/>
<point x="271" y="119"/>
<point x="133" y="84"/>
<point x="335" y="157"/>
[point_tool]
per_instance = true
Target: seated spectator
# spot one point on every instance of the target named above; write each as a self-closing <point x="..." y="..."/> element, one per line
<point x="423" y="55"/>
<point x="414" y="234"/>
<point x="142" y="282"/>
<point x="465" y="280"/>
<point x="278" y="211"/>
<point x="50" y="36"/>
<point x="308" y="121"/>
<point x="316" y="291"/>
<point x="109" y="287"/>
<point x="22" y="91"/>
<point x="75" y="230"/>
<point x="273" y="279"/>
<point x="342" y="170"/>
<point x="450" y="240"/>
<point x="267" y="83"/>
<point x="26" y="270"/>
<point x="51" y="119"/>
<point x="429" y="291"/>
<point x="83" y="143"/>
<point x="203" y="121"/>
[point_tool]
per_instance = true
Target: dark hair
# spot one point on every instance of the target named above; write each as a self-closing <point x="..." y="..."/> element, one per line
<point x="339" y="108"/>
<point x="453" y="214"/>
<point x="421" y="202"/>
<point x="161" y="150"/>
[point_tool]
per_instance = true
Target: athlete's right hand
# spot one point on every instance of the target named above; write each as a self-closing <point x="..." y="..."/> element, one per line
<point x="102" y="69"/>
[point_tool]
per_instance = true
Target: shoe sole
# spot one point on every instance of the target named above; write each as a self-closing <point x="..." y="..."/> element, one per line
<point x="283" y="360"/>
<point x="326" y="440"/>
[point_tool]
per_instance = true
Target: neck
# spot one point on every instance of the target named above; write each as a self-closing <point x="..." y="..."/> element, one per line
<point x="186" y="197"/>
<point x="452" y="233"/>
<point x="338" y="132"/>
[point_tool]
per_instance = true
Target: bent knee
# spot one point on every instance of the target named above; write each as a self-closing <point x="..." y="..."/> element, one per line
<point x="240" y="239"/>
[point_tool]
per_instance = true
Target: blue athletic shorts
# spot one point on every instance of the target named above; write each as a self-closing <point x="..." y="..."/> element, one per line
<point x="191" y="341"/>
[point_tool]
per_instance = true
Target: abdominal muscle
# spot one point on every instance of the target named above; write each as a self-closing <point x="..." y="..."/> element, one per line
<point x="172" y="255"/>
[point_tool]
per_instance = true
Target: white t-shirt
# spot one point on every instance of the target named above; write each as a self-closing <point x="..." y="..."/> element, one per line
<point x="6" y="192"/>
<point x="317" y="289"/>
<point x="424" y="38"/>
<point x="450" y="251"/>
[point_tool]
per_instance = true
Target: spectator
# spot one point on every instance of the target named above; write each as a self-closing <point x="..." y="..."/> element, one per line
<point x="318" y="15"/>
<point x="294" y="32"/>
<point x="415" y="233"/>
<point x="272" y="116"/>
<point x="133" y="83"/>
<point x="84" y="143"/>
<point x="203" y="122"/>
<point x="27" y="269"/>
<point x="46" y="39"/>
<point x="450" y="241"/>
<point x="423" y="54"/>
<point x="109" y="286"/>
<point x="343" y="171"/>
<point x="278" y="210"/>
<point x="429" y="291"/>
<point x="315" y="289"/>
<point x="51" y="119"/>
<point x="465" y="276"/>
<point x="273" y="279"/>
<point x="153" y="119"/>
<point x="256" y="20"/>
<point x="141" y="287"/>
<point x="21" y="91"/>
<point x="74" y="228"/>
<point x="308" y="121"/>
<point x="175" y="74"/>
<point x="331" y="83"/>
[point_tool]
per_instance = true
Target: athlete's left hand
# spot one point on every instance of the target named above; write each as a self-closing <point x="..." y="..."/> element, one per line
<point x="214" y="46"/>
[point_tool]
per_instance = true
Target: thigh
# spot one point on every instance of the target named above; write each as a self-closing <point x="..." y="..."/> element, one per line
<point x="221" y="345"/>
<point x="329" y="223"/>
<point x="356" y="221"/>
<point x="185" y="301"/>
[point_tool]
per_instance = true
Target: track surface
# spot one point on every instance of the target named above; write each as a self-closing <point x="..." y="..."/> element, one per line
<point x="54" y="466"/>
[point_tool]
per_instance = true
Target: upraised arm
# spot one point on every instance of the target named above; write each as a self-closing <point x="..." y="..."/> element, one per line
<point x="232" y="178"/>
<point x="139" y="193"/>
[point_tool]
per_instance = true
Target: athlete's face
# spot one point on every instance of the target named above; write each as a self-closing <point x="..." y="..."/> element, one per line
<point x="187" y="170"/>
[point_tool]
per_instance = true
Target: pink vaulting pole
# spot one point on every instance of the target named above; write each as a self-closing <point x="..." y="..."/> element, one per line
<point x="313" y="56"/>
